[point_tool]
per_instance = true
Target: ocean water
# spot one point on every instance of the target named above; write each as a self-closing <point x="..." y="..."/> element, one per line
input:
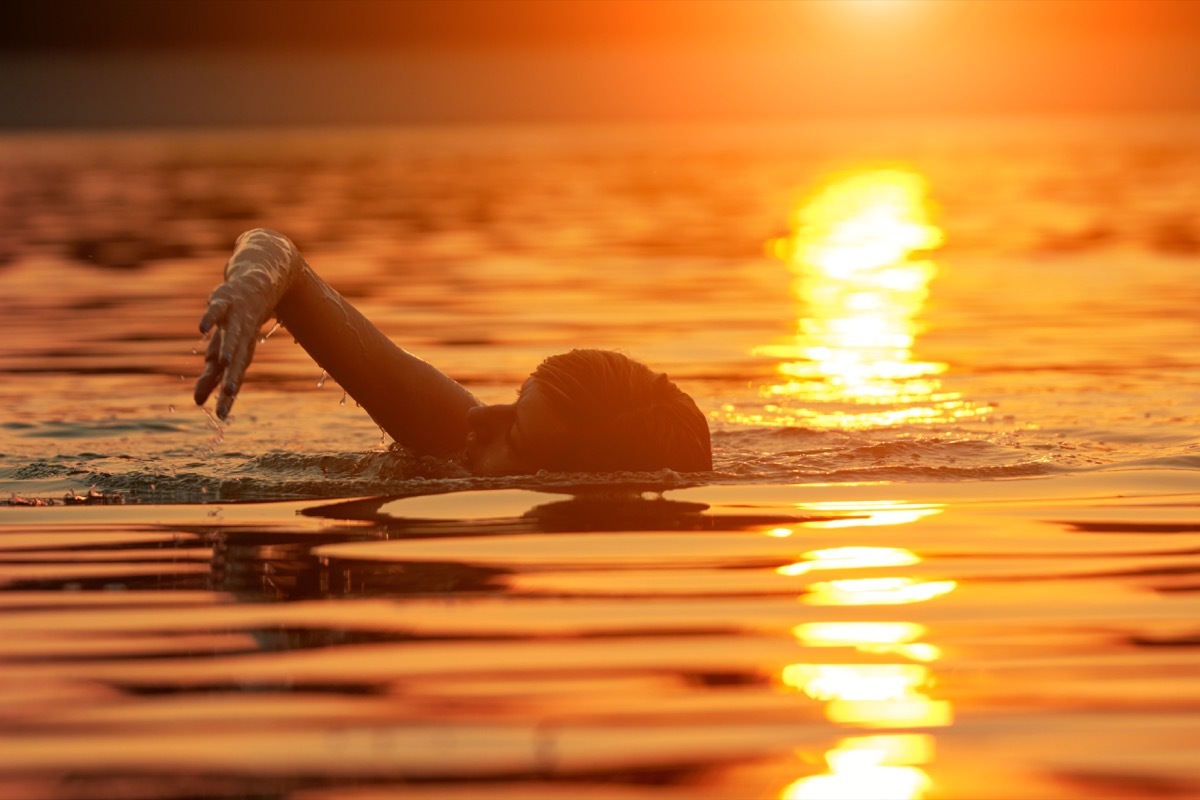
<point x="948" y="548"/>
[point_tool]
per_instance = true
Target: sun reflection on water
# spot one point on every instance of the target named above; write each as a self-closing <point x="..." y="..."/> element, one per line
<point x="872" y="513"/>
<point x="870" y="637"/>
<point x="875" y="591"/>
<point x="859" y="253"/>
<point x="870" y="767"/>
<point x="850" y="557"/>
<point x="884" y="677"/>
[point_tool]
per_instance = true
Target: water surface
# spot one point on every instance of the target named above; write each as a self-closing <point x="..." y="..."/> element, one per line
<point x="948" y="548"/>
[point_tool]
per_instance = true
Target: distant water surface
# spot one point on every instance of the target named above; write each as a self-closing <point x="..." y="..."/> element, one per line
<point x="948" y="547"/>
<point x="1057" y="295"/>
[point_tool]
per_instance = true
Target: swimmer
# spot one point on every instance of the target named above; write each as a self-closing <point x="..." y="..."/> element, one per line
<point x="582" y="411"/>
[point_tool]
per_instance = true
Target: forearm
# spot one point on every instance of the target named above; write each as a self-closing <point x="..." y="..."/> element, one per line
<point x="418" y="405"/>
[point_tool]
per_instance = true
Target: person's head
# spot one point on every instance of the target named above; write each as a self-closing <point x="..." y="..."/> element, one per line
<point x="590" y="411"/>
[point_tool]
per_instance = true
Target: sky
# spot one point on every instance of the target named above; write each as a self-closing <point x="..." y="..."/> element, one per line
<point x="184" y="63"/>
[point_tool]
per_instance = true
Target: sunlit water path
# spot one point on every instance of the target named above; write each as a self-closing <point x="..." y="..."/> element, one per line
<point x="948" y="548"/>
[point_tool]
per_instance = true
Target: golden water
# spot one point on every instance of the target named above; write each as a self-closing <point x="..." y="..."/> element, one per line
<point x="948" y="548"/>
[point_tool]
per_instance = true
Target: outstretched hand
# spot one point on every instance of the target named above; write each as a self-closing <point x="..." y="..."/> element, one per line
<point x="256" y="277"/>
<point x="231" y="347"/>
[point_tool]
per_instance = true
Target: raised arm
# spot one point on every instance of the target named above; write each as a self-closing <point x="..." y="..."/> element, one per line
<point x="418" y="405"/>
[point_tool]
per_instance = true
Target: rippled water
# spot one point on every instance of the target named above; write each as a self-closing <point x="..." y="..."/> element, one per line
<point x="948" y="548"/>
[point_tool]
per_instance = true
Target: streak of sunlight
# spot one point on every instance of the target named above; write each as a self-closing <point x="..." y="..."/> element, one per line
<point x="850" y="558"/>
<point x="859" y="254"/>
<point x="883" y="516"/>
<point x="875" y="591"/>
<point x="870" y="637"/>
<point x="869" y="768"/>
<point x="867" y="692"/>
<point x="856" y="681"/>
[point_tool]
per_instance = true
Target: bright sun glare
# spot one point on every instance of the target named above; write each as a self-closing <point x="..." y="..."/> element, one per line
<point x="860" y="256"/>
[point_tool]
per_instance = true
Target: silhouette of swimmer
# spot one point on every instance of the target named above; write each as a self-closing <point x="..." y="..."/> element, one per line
<point x="582" y="411"/>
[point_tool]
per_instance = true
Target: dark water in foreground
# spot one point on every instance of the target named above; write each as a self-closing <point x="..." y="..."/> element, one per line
<point x="948" y="548"/>
<point x="1032" y="638"/>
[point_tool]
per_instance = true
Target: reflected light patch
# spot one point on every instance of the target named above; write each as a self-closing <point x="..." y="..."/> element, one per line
<point x="865" y="512"/>
<point x="875" y="783"/>
<point x="887" y="748"/>
<point x="895" y="516"/>
<point x="850" y="558"/>
<point x="917" y="711"/>
<point x="859" y="256"/>
<point x="875" y="591"/>
<point x="866" y="783"/>
<point x="870" y="767"/>
<point x="857" y="682"/>
<point x="841" y="634"/>
<point x="872" y="695"/>
<point x="841" y="557"/>
<point x="879" y="638"/>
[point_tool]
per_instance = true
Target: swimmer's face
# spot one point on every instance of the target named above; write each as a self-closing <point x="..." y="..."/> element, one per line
<point x="516" y="438"/>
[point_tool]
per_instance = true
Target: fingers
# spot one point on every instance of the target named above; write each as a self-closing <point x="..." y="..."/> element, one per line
<point x="212" y="370"/>
<point x="229" y="349"/>
<point x="218" y="308"/>
<point x="238" y="361"/>
<point x="226" y="360"/>
<point x="234" y="314"/>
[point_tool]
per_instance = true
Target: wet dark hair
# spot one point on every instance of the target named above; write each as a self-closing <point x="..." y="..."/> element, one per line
<point x="622" y="415"/>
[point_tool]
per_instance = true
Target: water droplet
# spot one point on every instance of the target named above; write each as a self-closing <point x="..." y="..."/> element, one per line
<point x="218" y="431"/>
<point x="321" y="380"/>
<point x="342" y="402"/>
<point x="267" y="335"/>
<point x="171" y="408"/>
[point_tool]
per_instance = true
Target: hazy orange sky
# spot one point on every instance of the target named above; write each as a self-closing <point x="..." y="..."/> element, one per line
<point x="184" y="62"/>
